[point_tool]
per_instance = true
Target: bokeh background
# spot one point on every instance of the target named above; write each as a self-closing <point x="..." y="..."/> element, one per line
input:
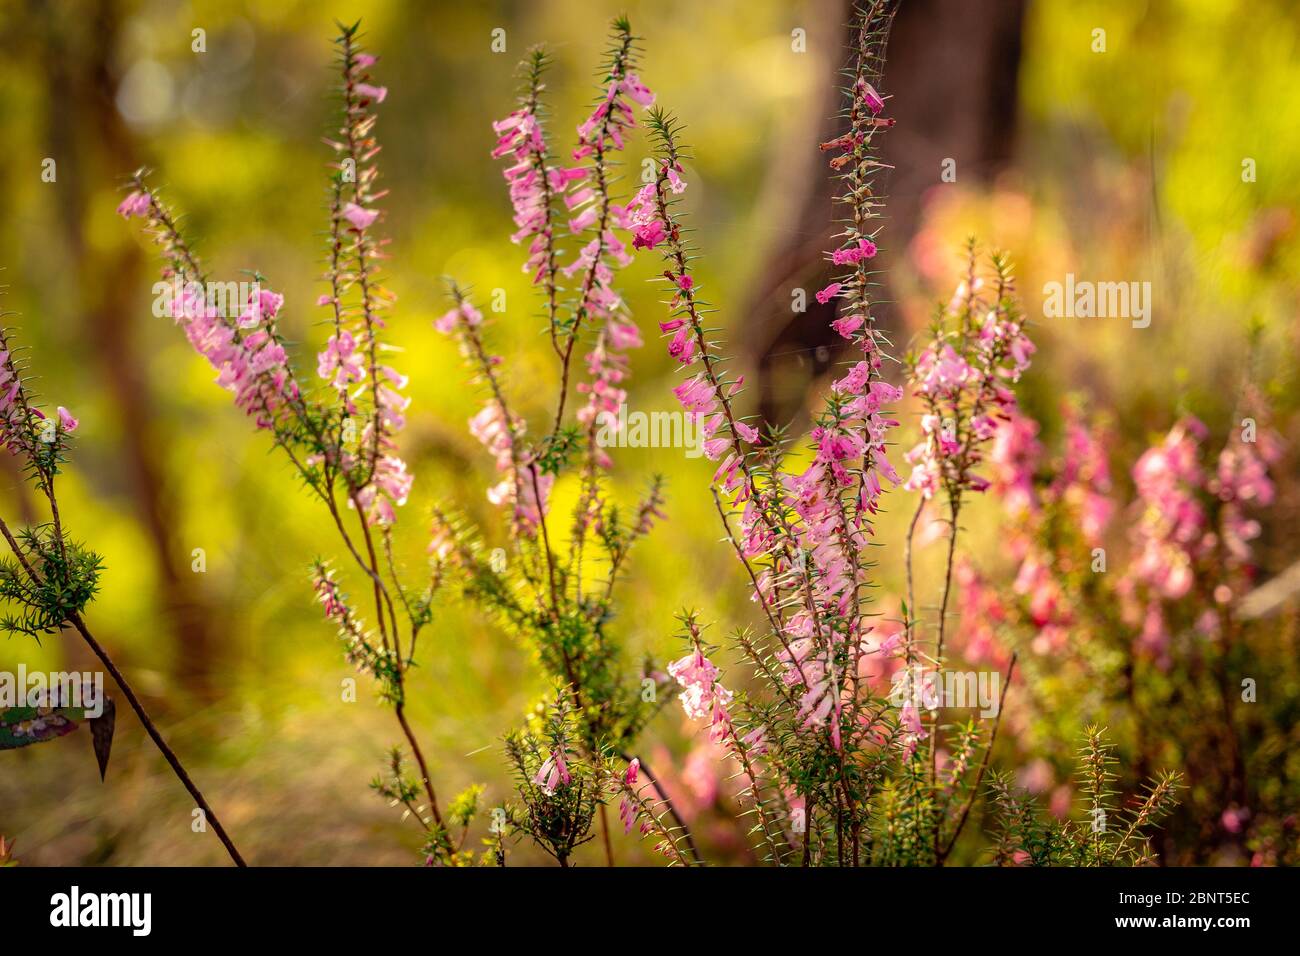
<point x="1118" y="165"/>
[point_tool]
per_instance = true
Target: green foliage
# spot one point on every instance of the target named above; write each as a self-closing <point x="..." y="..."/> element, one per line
<point x="1108" y="836"/>
<point x="439" y="848"/>
<point x="465" y="806"/>
<point x="557" y="452"/>
<point x="395" y="786"/>
<point x="362" y="648"/>
<point x="560" y="794"/>
<point x="51" y="580"/>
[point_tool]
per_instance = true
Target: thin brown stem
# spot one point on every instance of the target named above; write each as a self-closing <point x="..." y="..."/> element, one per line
<point x="910" y="623"/>
<point x="546" y="540"/>
<point x="168" y="754"/>
<point x="604" y="834"/>
<point x="984" y="765"/>
<point x="419" y="759"/>
<point x="152" y="730"/>
<point x="668" y="802"/>
<point x="954" y="506"/>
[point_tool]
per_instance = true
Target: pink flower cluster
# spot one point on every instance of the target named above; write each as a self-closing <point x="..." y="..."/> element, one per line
<point x="349" y="361"/>
<point x="702" y="695"/>
<point x="327" y="592"/>
<point x="554" y="772"/>
<point x="834" y="499"/>
<point x="1081" y="484"/>
<point x="1241" y="480"/>
<point x="390" y="485"/>
<point x="628" y="811"/>
<point x="981" y="613"/>
<point x="1014" y="460"/>
<point x="499" y="432"/>
<point x="343" y="364"/>
<point x="359" y="652"/>
<point x="959" y="378"/>
<point x="1049" y="610"/>
<point x="1191" y="530"/>
<point x="913" y="731"/>
<point x="608" y="123"/>
<point x="534" y="185"/>
<point x="16" y="417"/>
<point x="701" y="396"/>
<point x="701" y="400"/>
<point x="11" y="416"/>
<point x="1172" y="531"/>
<point x="604" y="130"/>
<point x="641" y="214"/>
<point x="247" y="354"/>
<point x="136" y="204"/>
<point x="1193" y="524"/>
<point x="1083" y="481"/>
<point x="811" y="527"/>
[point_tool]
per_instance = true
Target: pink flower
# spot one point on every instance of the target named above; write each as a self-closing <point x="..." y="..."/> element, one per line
<point x="630" y="776"/>
<point x="847" y="325"/>
<point x="584" y="195"/>
<point x="830" y="292"/>
<point x="622" y="334"/>
<point x="627" y="812"/>
<point x="925" y="473"/>
<point x="561" y="178"/>
<point x="700" y="689"/>
<point x="696" y="395"/>
<point x="682" y="346"/>
<point x="341" y="360"/>
<point x="447" y="322"/>
<point x="755" y="741"/>
<point x="855" y="381"/>
<point x="944" y="372"/>
<point x="1021" y="349"/>
<point x="66" y="421"/>
<point x="136" y="204"/>
<point x="254" y="367"/>
<point x="584" y="220"/>
<point x="1234" y="818"/>
<point x="637" y="91"/>
<point x="553" y="773"/>
<point x="649" y="235"/>
<point x="1015" y="456"/>
<point x="913" y="730"/>
<point x="865" y="249"/>
<point x="870" y="96"/>
<point x="359" y="217"/>
<point x="376" y="93"/>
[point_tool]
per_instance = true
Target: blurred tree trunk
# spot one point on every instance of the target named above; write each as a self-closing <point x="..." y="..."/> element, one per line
<point x="954" y="65"/>
<point x="93" y="148"/>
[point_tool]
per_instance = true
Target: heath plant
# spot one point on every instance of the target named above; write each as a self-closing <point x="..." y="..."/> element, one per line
<point x="833" y="767"/>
